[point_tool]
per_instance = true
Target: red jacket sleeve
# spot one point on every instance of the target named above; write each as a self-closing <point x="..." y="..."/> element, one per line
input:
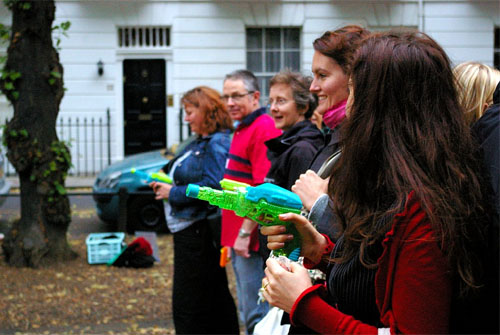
<point x="312" y="311"/>
<point x="323" y="264"/>
<point x="413" y="285"/>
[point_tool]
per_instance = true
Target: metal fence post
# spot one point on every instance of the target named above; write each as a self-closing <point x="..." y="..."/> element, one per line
<point x="122" y="207"/>
<point x="180" y="125"/>
<point x="109" y="136"/>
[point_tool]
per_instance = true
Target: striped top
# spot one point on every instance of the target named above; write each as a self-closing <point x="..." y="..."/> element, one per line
<point x="352" y="286"/>
<point x="247" y="162"/>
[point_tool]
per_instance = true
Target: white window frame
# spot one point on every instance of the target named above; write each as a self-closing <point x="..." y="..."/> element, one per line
<point x="265" y="76"/>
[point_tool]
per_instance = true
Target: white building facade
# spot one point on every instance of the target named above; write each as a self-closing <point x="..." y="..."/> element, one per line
<point x="152" y="51"/>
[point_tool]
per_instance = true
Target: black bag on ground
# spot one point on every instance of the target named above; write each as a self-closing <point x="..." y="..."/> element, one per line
<point x="137" y="254"/>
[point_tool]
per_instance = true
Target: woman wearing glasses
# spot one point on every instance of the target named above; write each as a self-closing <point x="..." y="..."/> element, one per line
<point x="291" y="106"/>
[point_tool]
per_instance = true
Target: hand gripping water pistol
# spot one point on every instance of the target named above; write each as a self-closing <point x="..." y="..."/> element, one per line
<point x="261" y="203"/>
<point x="154" y="176"/>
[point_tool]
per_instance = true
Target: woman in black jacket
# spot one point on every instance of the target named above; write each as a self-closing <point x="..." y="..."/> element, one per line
<point x="291" y="106"/>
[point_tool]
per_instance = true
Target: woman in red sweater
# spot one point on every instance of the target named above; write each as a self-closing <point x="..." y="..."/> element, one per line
<point x="410" y="200"/>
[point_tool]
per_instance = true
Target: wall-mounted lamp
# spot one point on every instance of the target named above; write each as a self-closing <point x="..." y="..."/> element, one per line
<point x="100" y="67"/>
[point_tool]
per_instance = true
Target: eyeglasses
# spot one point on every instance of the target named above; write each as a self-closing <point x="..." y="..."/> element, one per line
<point x="278" y="102"/>
<point x="235" y="97"/>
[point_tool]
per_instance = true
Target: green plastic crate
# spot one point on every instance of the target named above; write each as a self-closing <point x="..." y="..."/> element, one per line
<point x="102" y="247"/>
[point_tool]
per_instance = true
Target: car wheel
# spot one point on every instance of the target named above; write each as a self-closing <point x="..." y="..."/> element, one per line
<point x="146" y="213"/>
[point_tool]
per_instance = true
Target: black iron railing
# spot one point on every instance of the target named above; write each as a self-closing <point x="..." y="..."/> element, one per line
<point x="89" y="141"/>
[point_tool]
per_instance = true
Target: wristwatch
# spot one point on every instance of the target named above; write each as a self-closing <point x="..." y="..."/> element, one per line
<point x="243" y="233"/>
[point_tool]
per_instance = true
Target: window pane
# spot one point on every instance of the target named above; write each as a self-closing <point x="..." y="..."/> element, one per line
<point x="263" y="82"/>
<point x="120" y="37"/>
<point x="292" y="60"/>
<point x="133" y="36"/>
<point x="496" y="60"/>
<point x="292" y="38"/>
<point x="264" y="89"/>
<point x="254" y="38"/>
<point x="273" y="38"/>
<point x="126" y="38"/>
<point x="254" y="61"/>
<point x="497" y="37"/>
<point x="272" y="61"/>
<point x="167" y="33"/>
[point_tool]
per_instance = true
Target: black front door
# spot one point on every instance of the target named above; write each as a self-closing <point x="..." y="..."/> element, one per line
<point x="144" y="96"/>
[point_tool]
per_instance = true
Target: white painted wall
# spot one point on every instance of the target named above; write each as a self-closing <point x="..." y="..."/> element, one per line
<point x="208" y="41"/>
<point x="465" y="29"/>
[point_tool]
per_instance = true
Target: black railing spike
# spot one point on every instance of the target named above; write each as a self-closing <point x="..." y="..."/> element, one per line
<point x="93" y="146"/>
<point x="109" y="135"/>
<point x="85" y="142"/>
<point x="100" y="143"/>
<point x="77" y="148"/>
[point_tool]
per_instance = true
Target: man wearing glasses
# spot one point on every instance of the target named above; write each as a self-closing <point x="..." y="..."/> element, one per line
<point x="247" y="162"/>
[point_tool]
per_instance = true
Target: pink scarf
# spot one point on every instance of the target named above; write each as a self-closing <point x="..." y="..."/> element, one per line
<point x="335" y="114"/>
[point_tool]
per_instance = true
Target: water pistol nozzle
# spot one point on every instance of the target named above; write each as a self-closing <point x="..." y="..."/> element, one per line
<point x="192" y="190"/>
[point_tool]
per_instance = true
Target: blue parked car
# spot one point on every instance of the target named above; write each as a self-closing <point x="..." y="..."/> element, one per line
<point x="4" y="184"/>
<point x="143" y="211"/>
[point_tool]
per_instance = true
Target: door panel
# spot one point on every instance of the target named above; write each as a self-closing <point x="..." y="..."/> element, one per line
<point x="144" y="105"/>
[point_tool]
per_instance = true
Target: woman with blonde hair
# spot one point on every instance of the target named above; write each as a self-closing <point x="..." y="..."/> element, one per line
<point x="476" y="84"/>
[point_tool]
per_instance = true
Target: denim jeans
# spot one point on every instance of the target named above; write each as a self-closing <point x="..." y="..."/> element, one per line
<point x="249" y="273"/>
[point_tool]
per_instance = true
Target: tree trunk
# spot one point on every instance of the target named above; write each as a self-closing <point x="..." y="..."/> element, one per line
<point x="39" y="237"/>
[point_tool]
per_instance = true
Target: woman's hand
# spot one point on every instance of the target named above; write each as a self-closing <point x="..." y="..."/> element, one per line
<point x="309" y="187"/>
<point x="162" y="190"/>
<point x="281" y="287"/>
<point x="313" y="243"/>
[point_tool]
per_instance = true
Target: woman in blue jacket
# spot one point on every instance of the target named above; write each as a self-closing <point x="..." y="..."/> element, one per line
<point x="202" y="303"/>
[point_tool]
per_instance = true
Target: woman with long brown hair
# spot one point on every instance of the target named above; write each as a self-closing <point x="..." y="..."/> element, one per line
<point x="333" y="53"/>
<point x="411" y="203"/>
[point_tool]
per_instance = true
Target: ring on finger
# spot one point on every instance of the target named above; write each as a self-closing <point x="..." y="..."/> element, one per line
<point x="265" y="286"/>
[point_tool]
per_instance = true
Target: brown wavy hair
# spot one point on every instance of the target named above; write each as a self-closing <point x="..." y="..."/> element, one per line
<point x="341" y="44"/>
<point x="406" y="132"/>
<point x="299" y="84"/>
<point x="210" y="103"/>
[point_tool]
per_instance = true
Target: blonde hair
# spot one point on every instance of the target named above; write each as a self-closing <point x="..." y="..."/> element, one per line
<point x="476" y="84"/>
